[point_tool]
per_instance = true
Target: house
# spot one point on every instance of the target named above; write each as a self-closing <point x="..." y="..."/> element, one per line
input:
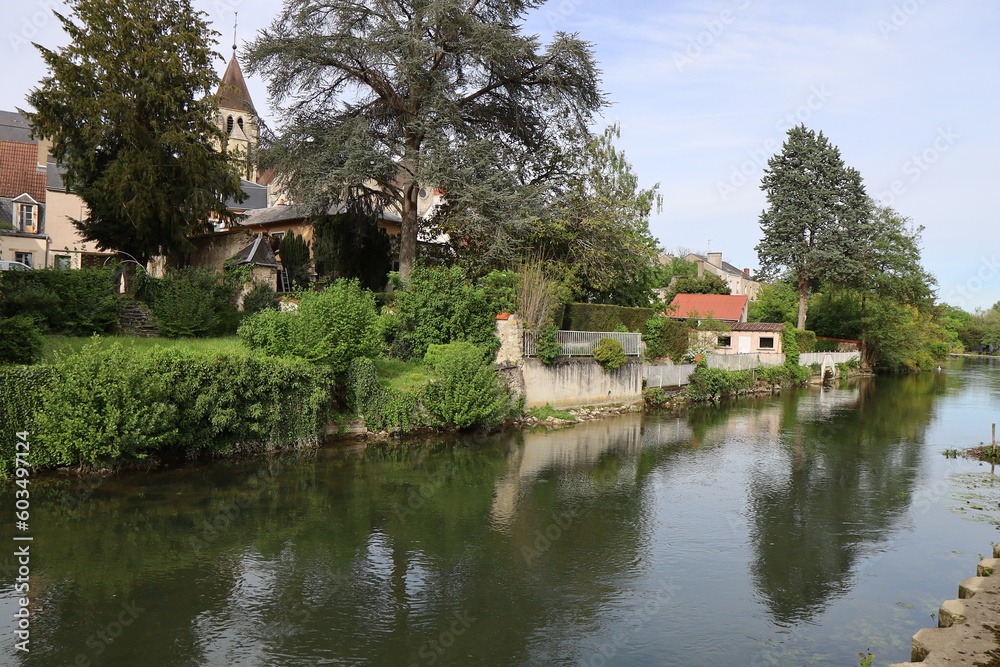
<point x="739" y="281"/>
<point x="760" y="338"/>
<point x="728" y="308"/>
<point x="22" y="194"/>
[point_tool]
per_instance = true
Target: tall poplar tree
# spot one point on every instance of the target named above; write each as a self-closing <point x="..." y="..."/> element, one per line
<point x="817" y="214"/>
<point x="382" y="99"/>
<point x="129" y="109"/>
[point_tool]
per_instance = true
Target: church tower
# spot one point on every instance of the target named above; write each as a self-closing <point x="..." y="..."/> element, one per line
<point x="237" y="117"/>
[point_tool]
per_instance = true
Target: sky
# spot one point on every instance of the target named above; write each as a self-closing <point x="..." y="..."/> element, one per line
<point x="909" y="90"/>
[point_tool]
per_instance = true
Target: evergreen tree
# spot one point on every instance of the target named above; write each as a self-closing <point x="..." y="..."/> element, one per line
<point x="381" y="100"/>
<point x="294" y="254"/>
<point x="817" y="214"/>
<point x="351" y="245"/>
<point x="128" y="107"/>
<point x="707" y="284"/>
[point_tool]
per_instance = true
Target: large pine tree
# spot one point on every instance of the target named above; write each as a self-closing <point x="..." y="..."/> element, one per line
<point x="128" y="107"/>
<point x="817" y="215"/>
<point x="382" y="99"/>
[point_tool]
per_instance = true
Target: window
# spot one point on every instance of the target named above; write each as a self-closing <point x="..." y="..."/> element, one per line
<point x="766" y="343"/>
<point x="229" y="125"/>
<point x="63" y="263"/>
<point x="27" y="218"/>
<point x="24" y="258"/>
<point x="725" y="341"/>
<point x="239" y="121"/>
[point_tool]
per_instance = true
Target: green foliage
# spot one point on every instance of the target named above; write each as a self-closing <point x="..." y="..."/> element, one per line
<point x="466" y="389"/>
<point x="138" y="142"/>
<point x="119" y="403"/>
<point x="666" y="337"/>
<point x="21" y="392"/>
<point x="610" y="354"/>
<point x="599" y="317"/>
<point x="655" y="397"/>
<point x="442" y="305"/>
<point x="194" y="302"/>
<point x="707" y="284"/>
<point x="261" y="297"/>
<point x="20" y="340"/>
<point x="790" y="345"/>
<point x="817" y="208"/>
<point x="383" y="408"/>
<point x="826" y="345"/>
<point x="462" y="98"/>
<point x="78" y="303"/>
<point x="777" y="302"/>
<point x="546" y="411"/>
<point x="331" y="327"/>
<point x="805" y="339"/>
<point x="710" y="383"/>
<point x="548" y="347"/>
<point x="293" y="251"/>
<point x="351" y="245"/>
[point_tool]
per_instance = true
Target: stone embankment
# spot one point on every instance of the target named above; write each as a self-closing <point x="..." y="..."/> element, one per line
<point x="968" y="631"/>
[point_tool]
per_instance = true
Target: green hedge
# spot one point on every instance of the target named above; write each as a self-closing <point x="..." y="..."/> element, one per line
<point x="20" y="340"/>
<point x="601" y="317"/>
<point x="806" y="340"/>
<point x="21" y="392"/>
<point x="707" y="383"/>
<point x="466" y="389"/>
<point x="666" y="337"/>
<point x="119" y="403"/>
<point x="78" y="303"/>
<point x="383" y="408"/>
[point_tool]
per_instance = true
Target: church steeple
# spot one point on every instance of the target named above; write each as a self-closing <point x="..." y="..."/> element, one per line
<point x="237" y="114"/>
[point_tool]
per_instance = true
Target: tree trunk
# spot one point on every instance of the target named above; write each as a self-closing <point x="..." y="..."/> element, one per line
<point x="803" y="301"/>
<point x="409" y="227"/>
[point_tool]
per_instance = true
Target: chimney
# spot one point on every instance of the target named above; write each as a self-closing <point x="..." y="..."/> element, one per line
<point x="746" y="272"/>
<point x="701" y="267"/>
<point x="715" y="259"/>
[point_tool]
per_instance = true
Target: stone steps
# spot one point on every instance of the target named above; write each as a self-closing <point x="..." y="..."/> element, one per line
<point x="136" y="320"/>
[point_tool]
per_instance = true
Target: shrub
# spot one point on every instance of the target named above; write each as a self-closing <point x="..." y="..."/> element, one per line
<point x="600" y="317"/>
<point x="826" y="345"/>
<point x="21" y="391"/>
<point x="790" y="345"/>
<point x="548" y="347"/>
<point x="331" y="327"/>
<point x="78" y="303"/>
<point x="442" y="305"/>
<point x="261" y="297"/>
<point x="122" y="403"/>
<point x="383" y="408"/>
<point x="194" y="302"/>
<point x="610" y="354"/>
<point x="466" y="389"/>
<point x="666" y="337"/>
<point x="20" y="340"/>
<point x="806" y="340"/>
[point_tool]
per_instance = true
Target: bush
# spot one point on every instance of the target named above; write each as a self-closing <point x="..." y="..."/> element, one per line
<point x="548" y="347"/>
<point x="466" y="389"/>
<point x="600" y="317"/>
<point x="666" y="337"/>
<point x="383" y="408"/>
<point x="77" y="303"/>
<point x="194" y="302"/>
<point x="790" y="345"/>
<point x="610" y="354"/>
<point x="122" y="403"/>
<point x="21" y="392"/>
<point x="806" y="340"/>
<point x="331" y="327"/>
<point x="20" y="340"/>
<point x="261" y="297"/>
<point x="826" y="345"/>
<point x="442" y="305"/>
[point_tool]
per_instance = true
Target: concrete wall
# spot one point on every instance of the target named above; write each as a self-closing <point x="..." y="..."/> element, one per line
<point x="578" y="382"/>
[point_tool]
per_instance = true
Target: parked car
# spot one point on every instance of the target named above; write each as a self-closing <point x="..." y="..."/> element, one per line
<point x="6" y="265"/>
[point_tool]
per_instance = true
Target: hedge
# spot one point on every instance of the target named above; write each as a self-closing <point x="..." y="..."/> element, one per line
<point x="601" y="317"/>
<point x="79" y="302"/>
<point x="21" y="392"/>
<point x="107" y="405"/>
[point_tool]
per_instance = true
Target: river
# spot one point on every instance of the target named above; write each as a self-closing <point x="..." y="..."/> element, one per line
<point x="797" y="529"/>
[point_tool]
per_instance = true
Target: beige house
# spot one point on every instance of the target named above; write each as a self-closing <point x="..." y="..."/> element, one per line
<point x="760" y="338"/>
<point x="738" y="280"/>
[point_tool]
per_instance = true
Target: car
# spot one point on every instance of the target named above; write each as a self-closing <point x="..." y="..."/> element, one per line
<point x="6" y="265"/>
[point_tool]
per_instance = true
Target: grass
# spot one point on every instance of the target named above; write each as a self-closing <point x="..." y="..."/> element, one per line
<point x="547" y="411"/>
<point x="402" y="375"/>
<point x="69" y="345"/>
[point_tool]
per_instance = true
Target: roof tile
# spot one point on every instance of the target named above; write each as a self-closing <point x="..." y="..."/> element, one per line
<point x="718" y="306"/>
<point x="19" y="170"/>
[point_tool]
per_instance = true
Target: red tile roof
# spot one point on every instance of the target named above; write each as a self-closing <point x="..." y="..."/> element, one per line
<point x="719" y="306"/>
<point x="757" y="326"/>
<point x="19" y="171"/>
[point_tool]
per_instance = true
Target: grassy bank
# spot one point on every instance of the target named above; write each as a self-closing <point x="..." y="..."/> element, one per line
<point x="55" y="345"/>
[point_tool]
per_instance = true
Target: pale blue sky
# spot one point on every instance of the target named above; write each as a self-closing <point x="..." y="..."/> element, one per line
<point x="704" y="91"/>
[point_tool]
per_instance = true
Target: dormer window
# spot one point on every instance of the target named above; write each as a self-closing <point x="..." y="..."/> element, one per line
<point x="26" y="214"/>
<point x="27" y="218"/>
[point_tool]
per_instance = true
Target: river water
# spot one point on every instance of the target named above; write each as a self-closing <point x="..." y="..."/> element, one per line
<point x="798" y="529"/>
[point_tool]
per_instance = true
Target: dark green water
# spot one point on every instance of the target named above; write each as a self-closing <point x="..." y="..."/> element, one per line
<point x="793" y="530"/>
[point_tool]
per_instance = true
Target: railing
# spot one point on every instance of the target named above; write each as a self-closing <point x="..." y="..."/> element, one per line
<point x="809" y="358"/>
<point x="582" y="343"/>
<point x="668" y="376"/>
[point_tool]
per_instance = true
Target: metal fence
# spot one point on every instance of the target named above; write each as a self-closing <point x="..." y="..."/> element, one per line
<point x="743" y="362"/>
<point x="809" y="358"/>
<point x="582" y="343"/>
<point x="668" y="376"/>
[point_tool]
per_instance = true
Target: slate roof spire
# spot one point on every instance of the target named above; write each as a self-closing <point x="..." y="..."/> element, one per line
<point x="233" y="92"/>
